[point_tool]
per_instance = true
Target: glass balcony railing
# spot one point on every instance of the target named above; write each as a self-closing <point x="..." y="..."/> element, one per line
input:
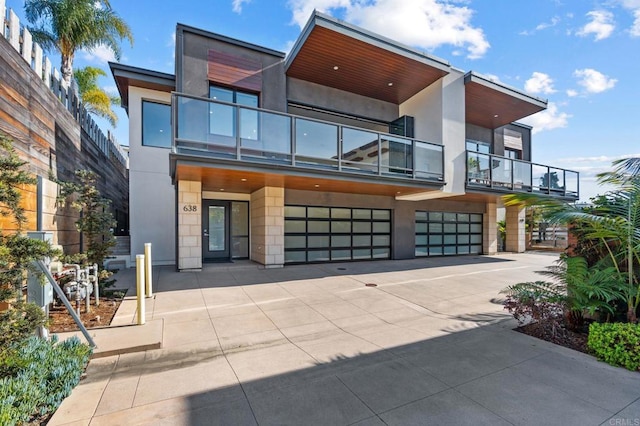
<point x="205" y="127"/>
<point x="501" y="173"/>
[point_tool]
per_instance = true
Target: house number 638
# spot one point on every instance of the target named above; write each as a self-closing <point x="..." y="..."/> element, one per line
<point x="190" y="208"/>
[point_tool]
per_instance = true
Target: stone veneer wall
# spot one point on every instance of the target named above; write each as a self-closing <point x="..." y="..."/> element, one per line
<point x="267" y="226"/>
<point x="189" y="225"/>
<point x="490" y="229"/>
<point x="515" y="219"/>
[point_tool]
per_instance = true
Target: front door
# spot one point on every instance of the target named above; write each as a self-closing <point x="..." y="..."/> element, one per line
<point x="215" y="230"/>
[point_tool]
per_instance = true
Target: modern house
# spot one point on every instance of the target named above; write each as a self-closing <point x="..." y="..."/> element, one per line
<point x="350" y="147"/>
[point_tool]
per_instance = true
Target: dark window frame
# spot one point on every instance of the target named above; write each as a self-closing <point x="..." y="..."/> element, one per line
<point x="142" y="115"/>
<point x="477" y="144"/>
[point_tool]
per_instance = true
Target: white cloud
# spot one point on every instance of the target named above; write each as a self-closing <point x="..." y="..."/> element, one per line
<point x="237" y="5"/>
<point x="594" y="81"/>
<point x="111" y="90"/>
<point x="572" y="93"/>
<point x="492" y="77"/>
<point x="539" y="83"/>
<point x="542" y="26"/>
<point x="601" y="25"/>
<point x="171" y="42"/>
<point x="597" y="158"/>
<point x="635" y="28"/>
<point x="425" y="24"/>
<point x="100" y="54"/>
<point x="634" y="7"/>
<point x="551" y="118"/>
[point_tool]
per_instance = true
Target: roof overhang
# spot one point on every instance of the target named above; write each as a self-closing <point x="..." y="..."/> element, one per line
<point x="126" y="75"/>
<point x="333" y="53"/>
<point x="491" y="105"/>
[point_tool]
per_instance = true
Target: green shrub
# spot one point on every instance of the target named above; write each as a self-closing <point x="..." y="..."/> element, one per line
<point x="39" y="375"/>
<point x="616" y="343"/>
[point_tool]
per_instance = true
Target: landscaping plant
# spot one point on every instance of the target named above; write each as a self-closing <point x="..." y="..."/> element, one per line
<point x="96" y="221"/>
<point x="616" y="343"/>
<point x="559" y="304"/>
<point x="17" y="252"/>
<point x="608" y="234"/>
<point x="36" y="375"/>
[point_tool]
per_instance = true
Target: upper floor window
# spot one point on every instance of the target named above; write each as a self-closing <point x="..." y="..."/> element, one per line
<point x="222" y="117"/>
<point x="513" y="154"/>
<point x="156" y="124"/>
<point x="477" y="146"/>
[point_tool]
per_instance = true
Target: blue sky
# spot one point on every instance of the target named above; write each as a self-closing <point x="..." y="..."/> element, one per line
<point x="581" y="55"/>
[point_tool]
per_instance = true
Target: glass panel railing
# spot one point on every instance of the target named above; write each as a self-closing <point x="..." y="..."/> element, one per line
<point x="359" y="150"/>
<point x="478" y="171"/>
<point x="556" y="180"/>
<point x="429" y="160"/>
<point x="501" y="171"/>
<point x="396" y="155"/>
<point x="316" y="143"/>
<point x="571" y="183"/>
<point x="207" y="127"/>
<point x="521" y="175"/>
<point x="539" y="177"/>
<point x="265" y="136"/>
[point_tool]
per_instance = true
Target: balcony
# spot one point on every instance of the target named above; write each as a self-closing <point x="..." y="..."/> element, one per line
<point x="496" y="173"/>
<point x="214" y="129"/>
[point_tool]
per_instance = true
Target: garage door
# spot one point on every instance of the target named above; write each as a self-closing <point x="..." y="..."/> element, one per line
<point x="328" y="234"/>
<point x="446" y="233"/>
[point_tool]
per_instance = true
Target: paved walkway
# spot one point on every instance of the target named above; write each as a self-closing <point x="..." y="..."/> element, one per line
<point x="313" y="345"/>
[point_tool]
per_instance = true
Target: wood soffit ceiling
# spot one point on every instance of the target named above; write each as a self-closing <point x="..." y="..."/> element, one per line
<point x="363" y="68"/>
<point x="488" y="107"/>
<point x="223" y="180"/>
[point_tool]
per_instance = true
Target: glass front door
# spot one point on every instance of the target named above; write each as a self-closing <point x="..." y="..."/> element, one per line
<point x="215" y="230"/>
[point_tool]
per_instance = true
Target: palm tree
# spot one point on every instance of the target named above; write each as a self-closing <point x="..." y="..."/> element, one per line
<point x="70" y="25"/>
<point x="614" y="226"/>
<point x="95" y="99"/>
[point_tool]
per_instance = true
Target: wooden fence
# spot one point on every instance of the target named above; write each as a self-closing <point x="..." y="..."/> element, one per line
<point x="20" y="38"/>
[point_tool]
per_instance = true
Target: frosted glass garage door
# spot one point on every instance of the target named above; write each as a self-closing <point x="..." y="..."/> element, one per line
<point x="446" y="233"/>
<point x="332" y="234"/>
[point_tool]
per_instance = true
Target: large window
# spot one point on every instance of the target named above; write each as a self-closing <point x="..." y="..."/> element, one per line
<point x="323" y="234"/>
<point x="156" y="124"/>
<point x="222" y="117"/>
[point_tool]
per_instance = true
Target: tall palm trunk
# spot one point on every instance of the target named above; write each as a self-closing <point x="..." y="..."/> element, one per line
<point x="67" y="69"/>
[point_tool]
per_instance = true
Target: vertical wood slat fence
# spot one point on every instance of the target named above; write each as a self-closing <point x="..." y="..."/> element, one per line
<point x="20" y="38"/>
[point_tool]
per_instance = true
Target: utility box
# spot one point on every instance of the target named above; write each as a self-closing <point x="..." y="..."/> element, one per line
<point x="38" y="292"/>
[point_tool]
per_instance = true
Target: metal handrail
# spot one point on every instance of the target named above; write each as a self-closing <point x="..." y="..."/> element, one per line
<point x="340" y="161"/>
<point x="496" y="184"/>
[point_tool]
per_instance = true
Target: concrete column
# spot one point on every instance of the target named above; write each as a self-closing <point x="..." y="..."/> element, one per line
<point x="516" y="237"/>
<point x="189" y="225"/>
<point x="490" y="229"/>
<point x="267" y="226"/>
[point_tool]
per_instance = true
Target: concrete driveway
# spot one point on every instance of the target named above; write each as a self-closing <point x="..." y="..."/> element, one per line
<point x="314" y="344"/>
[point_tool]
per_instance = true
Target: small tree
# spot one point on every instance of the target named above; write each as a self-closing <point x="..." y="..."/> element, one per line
<point x="96" y="221"/>
<point x="17" y="252"/>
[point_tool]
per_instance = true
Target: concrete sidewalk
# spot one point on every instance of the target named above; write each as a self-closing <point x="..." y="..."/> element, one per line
<point x="313" y="344"/>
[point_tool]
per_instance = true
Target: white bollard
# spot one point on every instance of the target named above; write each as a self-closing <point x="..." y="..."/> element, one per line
<point x="140" y="288"/>
<point x="147" y="270"/>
